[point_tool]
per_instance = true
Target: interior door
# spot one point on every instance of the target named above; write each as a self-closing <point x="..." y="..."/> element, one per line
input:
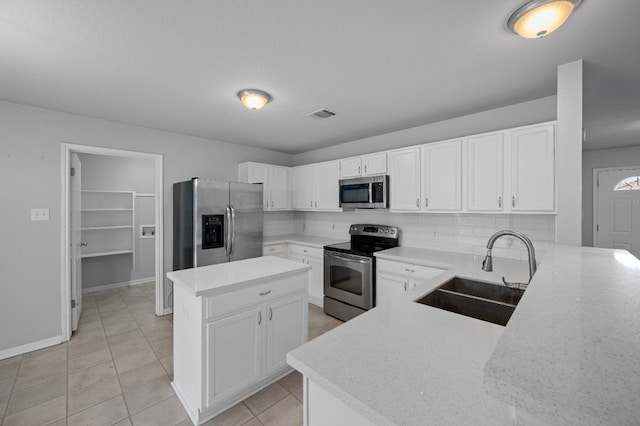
<point x="617" y="215"/>
<point x="76" y="241"/>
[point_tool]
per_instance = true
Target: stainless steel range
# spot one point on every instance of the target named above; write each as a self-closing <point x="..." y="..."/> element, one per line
<point x="349" y="270"/>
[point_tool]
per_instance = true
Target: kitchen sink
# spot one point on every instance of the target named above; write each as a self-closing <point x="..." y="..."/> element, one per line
<point x="487" y="302"/>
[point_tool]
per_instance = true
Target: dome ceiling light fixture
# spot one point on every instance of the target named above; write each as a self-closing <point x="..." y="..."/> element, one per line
<point x="538" y="18"/>
<point x="254" y="98"/>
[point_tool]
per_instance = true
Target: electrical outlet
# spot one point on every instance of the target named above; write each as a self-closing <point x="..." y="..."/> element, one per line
<point x="39" y="214"/>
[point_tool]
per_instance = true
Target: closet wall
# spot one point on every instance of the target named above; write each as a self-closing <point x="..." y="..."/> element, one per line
<point x="107" y="173"/>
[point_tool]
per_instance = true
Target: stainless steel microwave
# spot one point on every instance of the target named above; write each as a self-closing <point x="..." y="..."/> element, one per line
<point x="370" y="192"/>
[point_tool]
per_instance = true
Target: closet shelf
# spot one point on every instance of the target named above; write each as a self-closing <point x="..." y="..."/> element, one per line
<point x="95" y="228"/>
<point x="106" y="253"/>
<point x="107" y="210"/>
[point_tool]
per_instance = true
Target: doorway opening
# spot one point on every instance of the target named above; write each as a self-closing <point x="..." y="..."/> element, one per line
<point x="111" y="225"/>
<point x="616" y="208"/>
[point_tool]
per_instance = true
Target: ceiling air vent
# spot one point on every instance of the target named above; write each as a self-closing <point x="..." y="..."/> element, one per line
<point x="322" y="114"/>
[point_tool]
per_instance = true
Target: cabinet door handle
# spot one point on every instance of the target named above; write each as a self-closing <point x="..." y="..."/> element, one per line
<point x="513" y="201"/>
<point x="426" y="202"/>
<point x="358" y="169"/>
<point x="500" y="202"/>
<point x="264" y="293"/>
<point x="259" y="318"/>
<point x="365" y="168"/>
<point x="418" y="202"/>
<point x="271" y="203"/>
<point x="266" y="204"/>
<point x="316" y="204"/>
<point x="409" y="270"/>
<point x="310" y="203"/>
<point x="84" y="244"/>
<point x="270" y="314"/>
<point x="405" y="286"/>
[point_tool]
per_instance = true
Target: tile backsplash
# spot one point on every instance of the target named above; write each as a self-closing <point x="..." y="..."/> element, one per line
<point x="463" y="233"/>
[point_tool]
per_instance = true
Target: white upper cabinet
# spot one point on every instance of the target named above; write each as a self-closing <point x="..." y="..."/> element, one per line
<point x="366" y="165"/>
<point x="276" y="190"/>
<point x="279" y="188"/>
<point x="441" y="176"/>
<point x="303" y="195"/>
<point x="532" y="169"/>
<point x="374" y="164"/>
<point x="315" y="187"/>
<point x="327" y="188"/>
<point x="485" y="169"/>
<point x="404" y="171"/>
<point x="351" y="167"/>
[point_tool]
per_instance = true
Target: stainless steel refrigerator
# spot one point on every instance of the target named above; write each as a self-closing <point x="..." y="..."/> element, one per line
<point x="215" y="222"/>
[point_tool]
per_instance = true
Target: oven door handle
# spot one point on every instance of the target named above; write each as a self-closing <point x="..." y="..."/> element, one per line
<point x="347" y="257"/>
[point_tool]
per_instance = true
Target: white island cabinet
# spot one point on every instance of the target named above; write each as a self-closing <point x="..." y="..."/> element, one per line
<point x="233" y="324"/>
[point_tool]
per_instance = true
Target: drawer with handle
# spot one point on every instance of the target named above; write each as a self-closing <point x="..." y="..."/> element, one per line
<point x="226" y="303"/>
<point x="274" y="250"/>
<point x="407" y="269"/>
<point x="305" y="251"/>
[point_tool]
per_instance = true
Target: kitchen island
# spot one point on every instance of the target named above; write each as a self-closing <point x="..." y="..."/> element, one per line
<point x="567" y="356"/>
<point x="233" y="324"/>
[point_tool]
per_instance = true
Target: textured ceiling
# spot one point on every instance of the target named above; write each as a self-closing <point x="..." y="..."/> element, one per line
<point x="381" y="66"/>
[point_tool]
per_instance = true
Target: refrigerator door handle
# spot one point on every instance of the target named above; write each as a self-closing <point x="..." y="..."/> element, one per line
<point x="233" y="228"/>
<point x="227" y="242"/>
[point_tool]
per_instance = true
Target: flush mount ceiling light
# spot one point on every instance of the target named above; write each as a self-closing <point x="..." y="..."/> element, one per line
<point x="254" y="98"/>
<point x="537" y="18"/>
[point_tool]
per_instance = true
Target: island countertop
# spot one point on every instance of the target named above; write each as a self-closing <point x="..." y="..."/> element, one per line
<point x="225" y="277"/>
<point x="567" y="356"/>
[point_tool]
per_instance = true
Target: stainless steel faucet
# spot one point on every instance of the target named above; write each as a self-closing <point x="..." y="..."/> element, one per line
<point x="487" y="263"/>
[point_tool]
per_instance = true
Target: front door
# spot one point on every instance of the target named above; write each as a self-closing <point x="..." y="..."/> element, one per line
<point x="76" y="241"/>
<point x="617" y="215"/>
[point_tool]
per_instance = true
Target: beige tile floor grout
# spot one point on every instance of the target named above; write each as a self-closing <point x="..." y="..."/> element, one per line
<point x="117" y="368"/>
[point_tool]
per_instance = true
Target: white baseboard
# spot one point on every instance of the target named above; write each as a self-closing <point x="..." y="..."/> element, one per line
<point x="167" y="311"/>
<point x="118" y="285"/>
<point x="33" y="346"/>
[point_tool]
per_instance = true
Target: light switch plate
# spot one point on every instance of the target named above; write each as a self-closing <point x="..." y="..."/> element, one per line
<point x="39" y="214"/>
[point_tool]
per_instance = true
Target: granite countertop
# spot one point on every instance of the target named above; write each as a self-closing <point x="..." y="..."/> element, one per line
<point x="305" y="240"/>
<point x="567" y="356"/>
<point x="230" y="276"/>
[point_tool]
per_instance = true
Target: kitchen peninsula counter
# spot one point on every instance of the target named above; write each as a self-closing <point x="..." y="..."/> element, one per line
<point x="567" y="356"/>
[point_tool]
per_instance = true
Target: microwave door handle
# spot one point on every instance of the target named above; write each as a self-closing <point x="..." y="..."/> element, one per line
<point x="371" y="192"/>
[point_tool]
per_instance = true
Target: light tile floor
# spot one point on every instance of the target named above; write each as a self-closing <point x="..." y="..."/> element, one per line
<point x="117" y="367"/>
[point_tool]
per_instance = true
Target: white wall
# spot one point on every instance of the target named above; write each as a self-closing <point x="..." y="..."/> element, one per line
<point x="30" y="161"/>
<point x="531" y="112"/>
<point x="105" y="172"/>
<point x="616" y="157"/>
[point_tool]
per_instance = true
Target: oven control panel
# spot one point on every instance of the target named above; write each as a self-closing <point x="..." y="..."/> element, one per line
<point x="374" y="230"/>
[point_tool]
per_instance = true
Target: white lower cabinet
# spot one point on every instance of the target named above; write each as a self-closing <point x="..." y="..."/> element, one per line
<point x="229" y="346"/>
<point x="279" y="250"/>
<point x="233" y="354"/>
<point x="314" y="257"/>
<point x="285" y="331"/>
<point x="393" y="279"/>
